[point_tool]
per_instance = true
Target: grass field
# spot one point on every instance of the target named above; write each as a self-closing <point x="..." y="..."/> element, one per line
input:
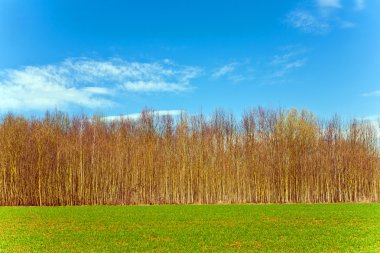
<point x="192" y="228"/>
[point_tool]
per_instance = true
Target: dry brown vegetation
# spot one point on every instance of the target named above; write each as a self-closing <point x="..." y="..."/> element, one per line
<point x="269" y="156"/>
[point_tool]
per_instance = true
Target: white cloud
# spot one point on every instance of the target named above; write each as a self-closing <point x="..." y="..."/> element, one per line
<point x="290" y="58"/>
<point x="324" y="16"/>
<point x="346" y="24"/>
<point x="41" y="88"/>
<point x="329" y="3"/>
<point x="154" y="86"/>
<point x="306" y="22"/>
<point x="372" y="94"/>
<point x="295" y="64"/>
<point x="359" y="5"/>
<point x="372" y="118"/>
<point x="98" y="90"/>
<point x="224" y="70"/>
<point x="87" y="83"/>
<point x="235" y="71"/>
<point x="135" y="116"/>
<point x="374" y="121"/>
<point x="288" y="53"/>
<point x="239" y="78"/>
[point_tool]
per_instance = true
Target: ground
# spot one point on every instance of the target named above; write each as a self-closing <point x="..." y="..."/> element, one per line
<point x="192" y="228"/>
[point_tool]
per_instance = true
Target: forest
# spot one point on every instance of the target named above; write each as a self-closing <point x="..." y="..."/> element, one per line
<point x="263" y="156"/>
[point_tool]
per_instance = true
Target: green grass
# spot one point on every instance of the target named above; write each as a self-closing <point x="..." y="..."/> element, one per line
<point x="204" y="228"/>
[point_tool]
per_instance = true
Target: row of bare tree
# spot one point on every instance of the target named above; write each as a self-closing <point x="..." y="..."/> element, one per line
<point x="267" y="156"/>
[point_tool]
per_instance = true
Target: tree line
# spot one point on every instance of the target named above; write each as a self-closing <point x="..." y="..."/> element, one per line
<point x="265" y="156"/>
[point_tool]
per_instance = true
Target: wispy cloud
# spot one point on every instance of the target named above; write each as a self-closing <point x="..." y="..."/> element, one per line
<point x="224" y="70"/>
<point x="373" y="118"/>
<point x="88" y="83"/>
<point x="359" y="5"/>
<point x="346" y="24"/>
<point x="155" y="86"/>
<point x="324" y="16"/>
<point x="234" y="71"/>
<point x="135" y="116"/>
<point x="373" y="121"/>
<point x="306" y="22"/>
<point x="372" y="94"/>
<point x="135" y="76"/>
<point x="329" y="3"/>
<point x="288" y="59"/>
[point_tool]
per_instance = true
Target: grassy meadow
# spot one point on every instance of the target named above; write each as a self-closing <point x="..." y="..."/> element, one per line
<point x="192" y="228"/>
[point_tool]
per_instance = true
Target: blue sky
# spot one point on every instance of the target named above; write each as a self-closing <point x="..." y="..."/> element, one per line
<point x="117" y="57"/>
